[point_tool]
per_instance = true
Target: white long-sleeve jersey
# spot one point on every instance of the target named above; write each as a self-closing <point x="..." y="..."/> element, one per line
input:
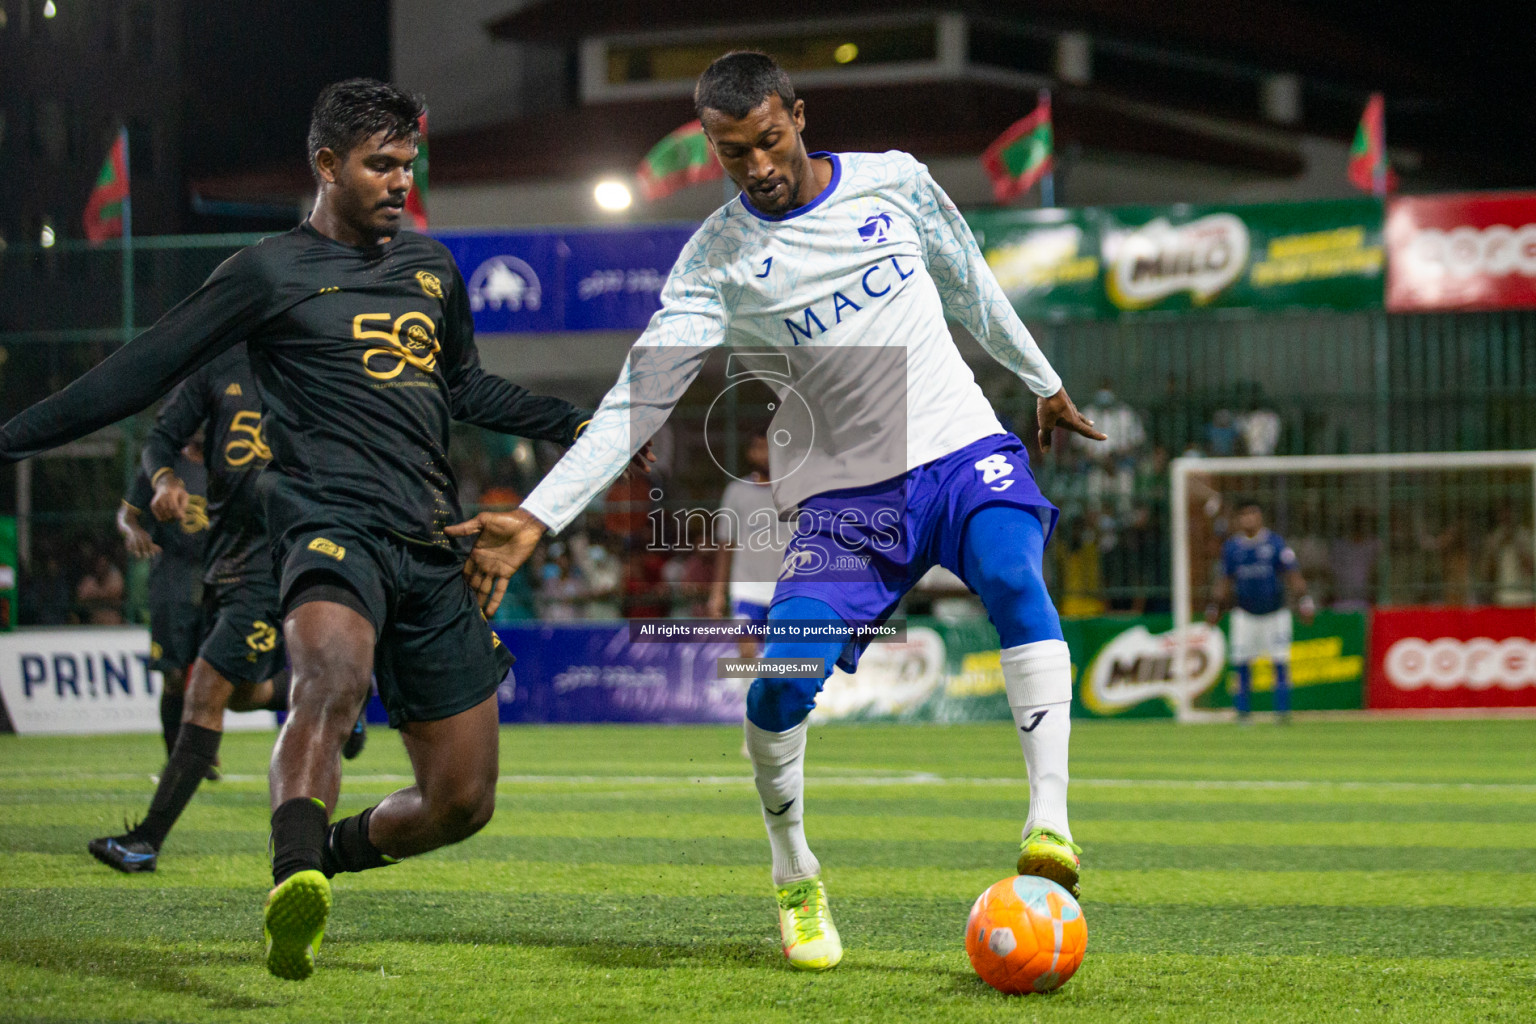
<point x="853" y="288"/>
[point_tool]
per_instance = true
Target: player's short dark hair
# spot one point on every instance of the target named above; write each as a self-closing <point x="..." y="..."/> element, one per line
<point x="737" y="83"/>
<point x="359" y="108"/>
<point x="1248" y="501"/>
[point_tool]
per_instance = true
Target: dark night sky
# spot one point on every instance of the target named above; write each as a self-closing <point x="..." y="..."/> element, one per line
<point x="1482" y="50"/>
<point x="254" y="68"/>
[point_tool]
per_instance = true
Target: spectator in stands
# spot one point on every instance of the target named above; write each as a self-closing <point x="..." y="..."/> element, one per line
<point x="1119" y="421"/>
<point x="46" y="600"/>
<point x="1508" y="561"/>
<point x="1137" y="562"/>
<point x="100" y="593"/>
<point x="644" y="591"/>
<point x="1312" y="554"/>
<point x="1260" y="427"/>
<point x="1112" y="464"/>
<point x="1456" y="586"/>
<point x="1352" y="560"/>
<point x="602" y="572"/>
<point x="1221" y="434"/>
<point x="689" y="576"/>
<point x="1078" y="567"/>
<point x="562" y="590"/>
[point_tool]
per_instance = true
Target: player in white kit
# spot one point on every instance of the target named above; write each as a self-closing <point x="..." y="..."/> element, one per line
<point x="846" y="264"/>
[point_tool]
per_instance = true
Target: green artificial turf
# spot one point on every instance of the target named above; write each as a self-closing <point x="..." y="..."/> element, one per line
<point x="1329" y="871"/>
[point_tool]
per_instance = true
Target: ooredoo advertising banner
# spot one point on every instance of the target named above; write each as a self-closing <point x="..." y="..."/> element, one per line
<point x="1453" y="658"/>
<point x="1468" y="252"/>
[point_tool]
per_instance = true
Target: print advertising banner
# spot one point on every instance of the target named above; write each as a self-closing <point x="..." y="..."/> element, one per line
<point x="76" y="679"/>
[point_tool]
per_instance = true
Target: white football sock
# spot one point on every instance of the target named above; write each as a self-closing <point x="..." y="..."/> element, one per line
<point x="1038" y="678"/>
<point x="778" y="768"/>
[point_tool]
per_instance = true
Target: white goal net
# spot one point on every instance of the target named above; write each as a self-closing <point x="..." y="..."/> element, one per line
<point x="1369" y="531"/>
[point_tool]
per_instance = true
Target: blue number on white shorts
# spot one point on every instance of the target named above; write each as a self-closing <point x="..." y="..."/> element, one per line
<point x="995" y="467"/>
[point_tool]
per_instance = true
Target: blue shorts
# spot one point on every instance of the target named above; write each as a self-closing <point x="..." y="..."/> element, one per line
<point x="749" y="611"/>
<point x="860" y="550"/>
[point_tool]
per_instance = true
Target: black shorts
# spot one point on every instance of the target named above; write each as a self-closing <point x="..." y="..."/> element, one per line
<point x="434" y="654"/>
<point x="245" y="630"/>
<point x="175" y="629"/>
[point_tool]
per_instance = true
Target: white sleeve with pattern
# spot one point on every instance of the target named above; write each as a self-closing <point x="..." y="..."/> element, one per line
<point x="969" y="291"/>
<point x="659" y="368"/>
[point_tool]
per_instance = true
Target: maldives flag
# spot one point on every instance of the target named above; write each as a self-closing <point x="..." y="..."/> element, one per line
<point x="416" y="199"/>
<point x="677" y="161"/>
<point x="104" y="210"/>
<point x="1021" y="155"/>
<point x="1369" y="152"/>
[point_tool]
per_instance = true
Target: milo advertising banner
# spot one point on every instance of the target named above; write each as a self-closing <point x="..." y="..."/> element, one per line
<point x="1127" y="667"/>
<point x="1103" y="262"/>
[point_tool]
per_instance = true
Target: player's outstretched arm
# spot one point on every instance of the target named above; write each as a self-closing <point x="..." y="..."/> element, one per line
<point x="206" y="323"/>
<point x="660" y="366"/>
<point x="503" y="542"/>
<point x="184" y="411"/>
<point x="971" y="295"/>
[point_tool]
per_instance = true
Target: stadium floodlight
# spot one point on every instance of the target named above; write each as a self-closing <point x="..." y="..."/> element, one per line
<point x="1418" y="507"/>
<point x="613" y="196"/>
<point x="45" y="237"/>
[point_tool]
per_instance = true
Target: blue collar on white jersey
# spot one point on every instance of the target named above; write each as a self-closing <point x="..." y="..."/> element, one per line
<point x="821" y="197"/>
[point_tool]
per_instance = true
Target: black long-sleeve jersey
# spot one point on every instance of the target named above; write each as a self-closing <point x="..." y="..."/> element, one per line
<point x="363" y="357"/>
<point x="175" y="571"/>
<point x="223" y="399"/>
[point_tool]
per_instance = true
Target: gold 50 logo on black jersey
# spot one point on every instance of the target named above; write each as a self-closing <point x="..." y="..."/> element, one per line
<point x="245" y="443"/>
<point x="410" y="340"/>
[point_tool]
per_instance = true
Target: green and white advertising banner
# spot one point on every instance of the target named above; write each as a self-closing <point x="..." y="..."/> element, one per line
<point x="1126" y="668"/>
<point x="1121" y="668"/>
<point x="1108" y="261"/>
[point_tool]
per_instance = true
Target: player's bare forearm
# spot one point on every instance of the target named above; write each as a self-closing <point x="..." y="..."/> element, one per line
<point x="1058" y="411"/>
<point x="503" y="542"/>
<point x="136" y="540"/>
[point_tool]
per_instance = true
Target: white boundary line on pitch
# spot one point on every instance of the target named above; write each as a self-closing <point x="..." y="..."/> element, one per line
<point x="912" y="779"/>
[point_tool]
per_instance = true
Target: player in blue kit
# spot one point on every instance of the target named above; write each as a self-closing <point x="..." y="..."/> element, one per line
<point x="891" y="460"/>
<point x="1257" y="567"/>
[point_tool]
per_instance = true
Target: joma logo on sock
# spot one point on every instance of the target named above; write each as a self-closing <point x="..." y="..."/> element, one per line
<point x="1034" y="720"/>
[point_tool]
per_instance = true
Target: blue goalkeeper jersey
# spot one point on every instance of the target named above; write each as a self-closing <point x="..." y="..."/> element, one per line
<point x="1257" y="566"/>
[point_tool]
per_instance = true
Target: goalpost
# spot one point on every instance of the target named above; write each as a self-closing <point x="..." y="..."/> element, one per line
<point x="1425" y="524"/>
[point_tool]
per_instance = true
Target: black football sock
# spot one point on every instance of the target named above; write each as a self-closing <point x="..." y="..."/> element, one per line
<point x="298" y="837"/>
<point x="170" y="718"/>
<point x="348" y="848"/>
<point x="196" y="748"/>
<point x="280" y="685"/>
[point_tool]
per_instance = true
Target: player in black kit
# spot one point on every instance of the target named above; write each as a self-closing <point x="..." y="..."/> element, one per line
<point x="362" y="343"/>
<point x="175" y="593"/>
<point x="239" y="662"/>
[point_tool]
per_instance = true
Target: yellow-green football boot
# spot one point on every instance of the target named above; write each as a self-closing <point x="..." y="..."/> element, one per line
<point x="294" y="923"/>
<point x="810" y="938"/>
<point x="1049" y="854"/>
